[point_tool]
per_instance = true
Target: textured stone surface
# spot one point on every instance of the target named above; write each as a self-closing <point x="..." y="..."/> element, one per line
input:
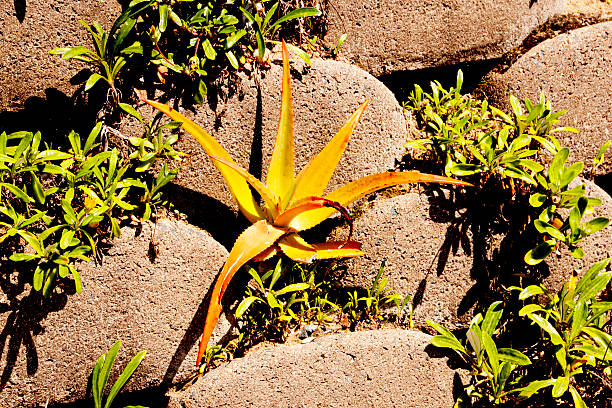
<point x="29" y="29"/>
<point x="155" y="306"/>
<point x="574" y="70"/>
<point x="414" y="238"/>
<point x="394" y="35"/>
<point x="448" y="265"/>
<point x="324" y="96"/>
<point x="374" y="368"/>
<point x="592" y="8"/>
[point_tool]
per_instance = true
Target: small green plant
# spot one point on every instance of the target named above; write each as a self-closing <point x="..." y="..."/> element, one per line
<point x="491" y="366"/>
<point x="152" y="196"/>
<point x="23" y="159"/>
<point x="109" y="54"/>
<point x="573" y="324"/>
<point x="599" y="158"/>
<point x="320" y="303"/>
<point x="214" y="355"/>
<point x="101" y="372"/>
<point x="557" y="196"/>
<point x="372" y="304"/>
<point x="53" y="261"/>
<point x="265" y="29"/>
<point x="154" y="144"/>
<point x="279" y="306"/>
<point x="79" y="151"/>
<point x="339" y="43"/>
<point x="107" y="190"/>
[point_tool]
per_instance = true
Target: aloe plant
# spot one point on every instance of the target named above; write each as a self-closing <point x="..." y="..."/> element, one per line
<point x="291" y="204"/>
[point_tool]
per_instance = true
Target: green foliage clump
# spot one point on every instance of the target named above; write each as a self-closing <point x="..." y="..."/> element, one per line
<point x="570" y="352"/>
<point x="187" y="43"/>
<point x="471" y="139"/>
<point x="573" y="326"/>
<point x="63" y="202"/>
<point x="505" y="155"/>
<point x="281" y="300"/>
<point x="555" y="197"/>
<point x="109" y="54"/>
<point x="371" y="304"/>
<point x="491" y="366"/>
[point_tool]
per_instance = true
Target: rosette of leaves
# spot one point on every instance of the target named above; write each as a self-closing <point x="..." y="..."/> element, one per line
<point x="109" y="54"/>
<point x="291" y="204"/>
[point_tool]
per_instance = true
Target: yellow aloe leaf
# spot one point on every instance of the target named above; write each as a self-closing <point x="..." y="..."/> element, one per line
<point x="266" y="254"/>
<point x="265" y="193"/>
<point x="281" y="173"/>
<point x="333" y="249"/>
<point x="352" y="191"/>
<point x="236" y="184"/>
<point x="313" y="179"/>
<point x="255" y="239"/>
<point x="297" y="249"/>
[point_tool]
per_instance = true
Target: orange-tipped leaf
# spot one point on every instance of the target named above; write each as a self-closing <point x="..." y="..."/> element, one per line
<point x="236" y="184"/>
<point x="296" y="248"/>
<point x="352" y="191"/>
<point x="281" y="173"/>
<point x="254" y="240"/>
<point x="306" y="204"/>
<point x="313" y="179"/>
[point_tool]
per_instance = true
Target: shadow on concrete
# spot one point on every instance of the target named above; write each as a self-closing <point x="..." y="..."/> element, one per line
<point x="491" y="228"/>
<point x="605" y="182"/>
<point x="153" y="397"/>
<point x="54" y="116"/>
<point x="20" y="9"/>
<point x="25" y="310"/>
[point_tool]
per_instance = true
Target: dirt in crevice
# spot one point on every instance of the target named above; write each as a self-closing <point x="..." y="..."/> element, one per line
<point x="402" y="83"/>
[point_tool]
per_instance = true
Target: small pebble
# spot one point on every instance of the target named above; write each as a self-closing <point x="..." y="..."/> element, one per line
<point x="307" y="331"/>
